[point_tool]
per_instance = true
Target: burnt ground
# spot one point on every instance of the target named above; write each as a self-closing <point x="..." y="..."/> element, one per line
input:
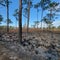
<point x="35" y="46"/>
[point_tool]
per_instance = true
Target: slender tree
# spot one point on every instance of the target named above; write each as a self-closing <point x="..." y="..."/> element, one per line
<point x="43" y="4"/>
<point x="36" y="23"/>
<point x="9" y="21"/>
<point x="20" y="21"/>
<point x="37" y="6"/>
<point x="33" y="26"/>
<point x="52" y="9"/>
<point x="28" y="6"/>
<point x="28" y="16"/>
<point x="1" y="19"/>
<point x="6" y="4"/>
<point x="7" y="7"/>
<point x="16" y="16"/>
<point x="48" y="21"/>
<point x="2" y="2"/>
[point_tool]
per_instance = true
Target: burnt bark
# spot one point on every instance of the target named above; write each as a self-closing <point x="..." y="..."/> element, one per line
<point x="20" y="21"/>
<point x="28" y="16"/>
<point x="7" y="7"/>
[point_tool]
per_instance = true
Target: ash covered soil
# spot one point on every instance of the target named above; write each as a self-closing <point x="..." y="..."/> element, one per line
<point x="35" y="46"/>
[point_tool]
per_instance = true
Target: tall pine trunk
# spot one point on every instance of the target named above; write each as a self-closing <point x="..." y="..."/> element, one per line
<point x="37" y="18"/>
<point x="20" y="21"/>
<point x="7" y="7"/>
<point x="41" y="18"/>
<point x="28" y="16"/>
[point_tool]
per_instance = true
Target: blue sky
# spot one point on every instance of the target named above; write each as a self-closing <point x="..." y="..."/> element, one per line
<point x="15" y="4"/>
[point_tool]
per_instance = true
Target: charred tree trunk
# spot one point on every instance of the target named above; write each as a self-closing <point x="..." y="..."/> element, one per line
<point x="41" y="18"/>
<point x="28" y="16"/>
<point x="37" y="18"/>
<point x="7" y="7"/>
<point x="20" y="21"/>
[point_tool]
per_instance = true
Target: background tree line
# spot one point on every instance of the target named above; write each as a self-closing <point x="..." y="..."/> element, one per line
<point x="24" y="10"/>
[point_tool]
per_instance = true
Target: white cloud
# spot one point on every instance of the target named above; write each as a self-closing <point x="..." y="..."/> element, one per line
<point x="43" y="24"/>
<point x="58" y="7"/>
<point x="56" y="23"/>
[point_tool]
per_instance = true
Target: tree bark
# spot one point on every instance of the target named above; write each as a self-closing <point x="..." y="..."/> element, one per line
<point x="28" y="16"/>
<point x="7" y="7"/>
<point x="37" y="18"/>
<point x="41" y="18"/>
<point x="20" y="21"/>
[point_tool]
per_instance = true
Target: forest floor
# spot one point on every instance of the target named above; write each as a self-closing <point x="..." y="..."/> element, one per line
<point x="35" y="46"/>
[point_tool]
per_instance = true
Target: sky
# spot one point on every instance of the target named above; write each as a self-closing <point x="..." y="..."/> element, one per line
<point x="15" y="4"/>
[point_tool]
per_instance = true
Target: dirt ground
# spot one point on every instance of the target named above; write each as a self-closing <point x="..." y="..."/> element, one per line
<point x="35" y="46"/>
